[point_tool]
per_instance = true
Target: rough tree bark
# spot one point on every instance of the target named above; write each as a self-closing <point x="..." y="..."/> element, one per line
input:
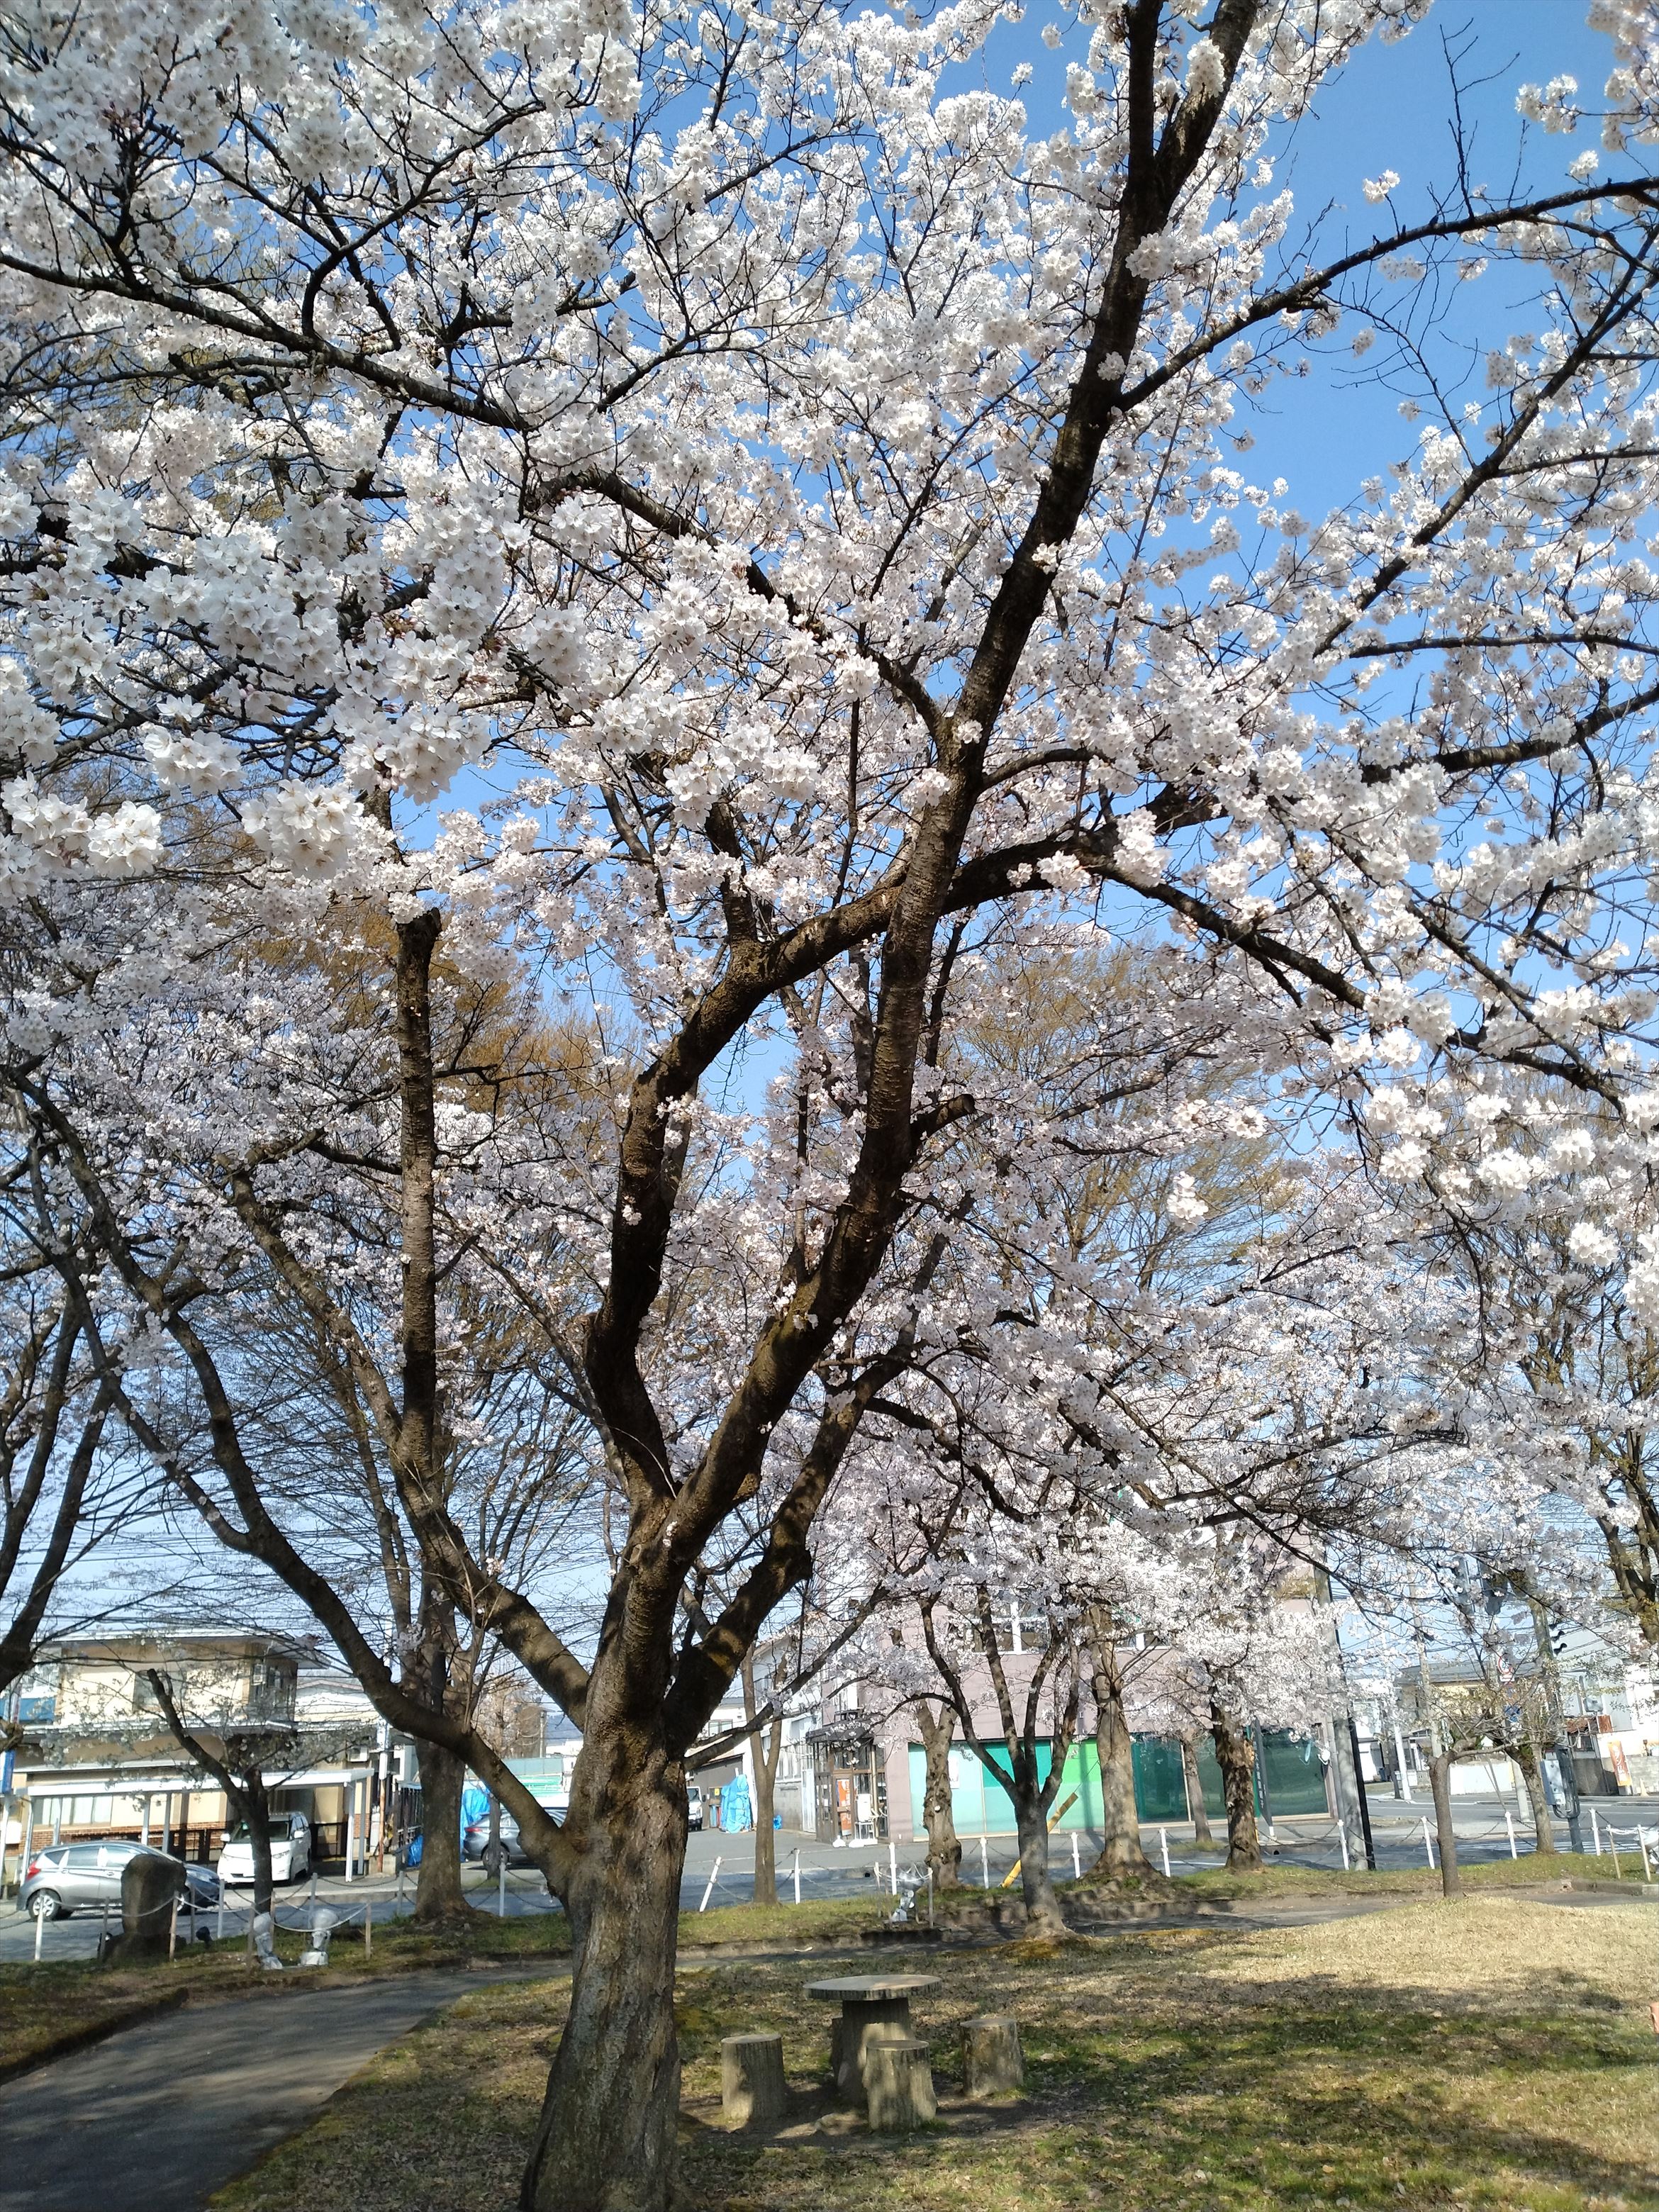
<point x="1236" y="1755"/>
<point x="609" y="2122"/>
<point x="764" y="1754"/>
<point x="943" y="1844"/>
<point x="1532" y="1773"/>
<point x="1121" y="1857"/>
<point x="1197" y="1811"/>
<point x="438" y="1894"/>
<point x="1451" y="1883"/>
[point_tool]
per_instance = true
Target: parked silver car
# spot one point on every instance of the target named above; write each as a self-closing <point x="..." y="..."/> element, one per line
<point x="64" y="1878"/>
<point x="475" y="1839"/>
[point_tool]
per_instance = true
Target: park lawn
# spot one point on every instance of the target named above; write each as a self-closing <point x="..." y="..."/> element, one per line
<point x="1214" y="1885"/>
<point x="1493" y="2055"/>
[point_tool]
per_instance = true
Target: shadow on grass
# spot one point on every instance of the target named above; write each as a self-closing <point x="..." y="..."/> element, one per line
<point x="1314" y="2094"/>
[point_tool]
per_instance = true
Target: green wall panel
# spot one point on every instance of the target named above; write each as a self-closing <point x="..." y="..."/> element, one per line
<point x="979" y="1802"/>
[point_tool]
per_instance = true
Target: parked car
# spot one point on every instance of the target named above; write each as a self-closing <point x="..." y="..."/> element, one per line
<point x="290" y="1851"/>
<point x="475" y="1836"/>
<point x="694" y="1806"/>
<point x="64" y="1878"/>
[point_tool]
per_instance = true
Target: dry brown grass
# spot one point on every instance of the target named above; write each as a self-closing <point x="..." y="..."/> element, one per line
<point x="1492" y="2056"/>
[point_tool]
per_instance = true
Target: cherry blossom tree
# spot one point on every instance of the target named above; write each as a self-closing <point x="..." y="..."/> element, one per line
<point x="791" y="507"/>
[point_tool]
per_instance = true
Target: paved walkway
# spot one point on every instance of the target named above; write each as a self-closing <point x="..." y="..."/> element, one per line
<point x="158" y="2117"/>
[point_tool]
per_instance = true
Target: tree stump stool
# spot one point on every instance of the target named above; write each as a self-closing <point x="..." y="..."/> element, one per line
<point x="992" y="2060"/>
<point x="752" y="2078"/>
<point x="899" y="2081"/>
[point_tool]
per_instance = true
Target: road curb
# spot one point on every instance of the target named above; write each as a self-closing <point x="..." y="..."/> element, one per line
<point x="94" y="2031"/>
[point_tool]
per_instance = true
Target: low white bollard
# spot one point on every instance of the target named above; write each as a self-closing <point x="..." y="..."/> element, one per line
<point x="1163" y="1847"/>
<point x="1428" y="1842"/>
<point x="1509" y="1823"/>
<point x="709" y="1891"/>
<point x="500" y="1888"/>
<point x="1077" y="1870"/>
<point x="892" y="1867"/>
<point x="1596" y="1831"/>
<point x="984" y="1865"/>
<point x="796" y="1872"/>
<point x="39" y="1931"/>
<point x="1342" y="1833"/>
<point x="369" y="1928"/>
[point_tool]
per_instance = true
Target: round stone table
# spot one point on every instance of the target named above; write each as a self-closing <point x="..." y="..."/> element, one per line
<point x="874" y="2008"/>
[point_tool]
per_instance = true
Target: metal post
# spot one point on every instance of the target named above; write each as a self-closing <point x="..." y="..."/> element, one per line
<point x="1163" y="1847"/>
<point x="143" y="1828"/>
<point x="1342" y="1833"/>
<point x="400" y="1882"/>
<point x="1596" y="1831"/>
<point x="709" y="1891"/>
<point x="1405" y="1770"/>
<point x="1077" y="1867"/>
<point x="797" y="1877"/>
<point x="219" y="1924"/>
<point x="500" y="1886"/>
<point x="173" y="1927"/>
<point x="984" y="1863"/>
<point x="892" y="1867"/>
<point x="1647" y="1871"/>
<point x="351" y="1828"/>
<point x="1428" y="1843"/>
<point x="39" y="1930"/>
<point x="368" y="1926"/>
<point x="1509" y="1823"/>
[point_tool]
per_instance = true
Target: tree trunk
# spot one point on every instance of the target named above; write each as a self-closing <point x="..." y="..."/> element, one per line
<point x="766" y="1842"/>
<point x="610" y="2121"/>
<point x="943" y="1844"/>
<point x="1452" y="1884"/>
<point x="1532" y="1773"/>
<point x="1042" y="1913"/>
<point x="257" y="1811"/>
<point x="1196" y="1810"/>
<point x="1121" y="1854"/>
<point x="438" y="1894"/>
<point x="1236" y="1755"/>
<point x="764" y="1761"/>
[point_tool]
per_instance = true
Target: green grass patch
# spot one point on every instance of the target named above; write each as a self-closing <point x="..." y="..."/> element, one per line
<point x="1490" y="2056"/>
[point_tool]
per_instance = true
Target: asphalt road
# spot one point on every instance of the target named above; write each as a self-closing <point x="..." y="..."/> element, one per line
<point x="157" y="2118"/>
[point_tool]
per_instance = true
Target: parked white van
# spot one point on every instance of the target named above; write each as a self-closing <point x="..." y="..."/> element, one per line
<point x="290" y="1851"/>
